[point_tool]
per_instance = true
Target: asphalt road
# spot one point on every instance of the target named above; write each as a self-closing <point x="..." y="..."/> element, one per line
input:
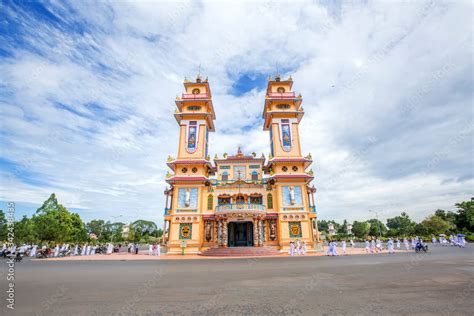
<point x="438" y="283"/>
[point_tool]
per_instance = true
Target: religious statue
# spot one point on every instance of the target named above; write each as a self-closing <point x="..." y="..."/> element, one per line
<point x="187" y="200"/>
<point x="272" y="229"/>
<point x="292" y="195"/>
<point x="208" y="232"/>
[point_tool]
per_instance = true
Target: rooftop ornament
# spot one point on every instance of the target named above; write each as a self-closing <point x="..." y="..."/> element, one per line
<point x="170" y="158"/>
<point x="186" y="79"/>
<point x="309" y="156"/>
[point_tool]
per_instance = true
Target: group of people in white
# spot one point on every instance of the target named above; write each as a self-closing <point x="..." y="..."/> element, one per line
<point x="332" y="247"/>
<point x="297" y="248"/>
<point x="459" y="240"/>
<point x="65" y="249"/>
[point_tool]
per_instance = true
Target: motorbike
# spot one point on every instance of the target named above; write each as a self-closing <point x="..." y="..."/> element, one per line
<point x="421" y="247"/>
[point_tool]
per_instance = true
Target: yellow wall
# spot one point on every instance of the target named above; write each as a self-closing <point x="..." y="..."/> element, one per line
<point x="295" y="149"/>
<point x="200" y="151"/>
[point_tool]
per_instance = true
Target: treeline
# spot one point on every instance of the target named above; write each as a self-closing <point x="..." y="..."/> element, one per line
<point x="440" y="222"/>
<point x="52" y="222"/>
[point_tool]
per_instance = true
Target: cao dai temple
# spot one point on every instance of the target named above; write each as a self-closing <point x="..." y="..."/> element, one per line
<point x="239" y="200"/>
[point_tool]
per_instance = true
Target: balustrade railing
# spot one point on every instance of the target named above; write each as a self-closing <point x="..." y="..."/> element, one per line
<point x="240" y="207"/>
<point x="281" y="95"/>
<point x="195" y="96"/>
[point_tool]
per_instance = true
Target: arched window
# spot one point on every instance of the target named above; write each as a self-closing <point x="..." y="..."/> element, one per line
<point x="254" y="176"/>
<point x="281" y="90"/>
<point x="269" y="201"/>
<point x="196" y="91"/>
<point x="210" y="202"/>
<point x="225" y="176"/>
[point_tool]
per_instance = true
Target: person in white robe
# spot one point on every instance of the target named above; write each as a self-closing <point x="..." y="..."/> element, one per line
<point x="76" y="250"/>
<point x="110" y="248"/>
<point x="292" y="249"/>
<point x="330" y="251"/>
<point x="56" y="251"/>
<point x="379" y="245"/>
<point x="88" y="250"/>
<point x="343" y="246"/>
<point x="334" y="249"/>
<point x="33" y="251"/>
<point x="303" y="248"/>
<point x="406" y="244"/>
<point x="390" y="246"/>
<point x="398" y="243"/>
<point x="158" y="250"/>
<point x="352" y="243"/>
<point x="298" y="247"/>
<point x="150" y="250"/>
<point x="83" y="250"/>
<point x="367" y="246"/>
<point x="372" y="246"/>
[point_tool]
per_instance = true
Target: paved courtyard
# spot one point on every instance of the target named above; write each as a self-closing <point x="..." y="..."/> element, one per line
<point x="438" y="283"/>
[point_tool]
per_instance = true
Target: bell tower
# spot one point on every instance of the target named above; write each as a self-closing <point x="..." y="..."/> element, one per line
<point x="294" y="203"/>
<point x="282" y="113"/>
<point x="195" y="116"/>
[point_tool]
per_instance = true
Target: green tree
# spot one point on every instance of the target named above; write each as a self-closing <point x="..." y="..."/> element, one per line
<point x="360" y="229"/>
<point x="377" y="228"/>
<point x="95" y="226"/>
<point x="343" y="228"/>
<point x="401" y="225"/>
<point x="25" y="231"/>
<point x="465" y="216"/>
<point x="3" y="226"/>
<point x="53" y="222"/>
<point x="435" y="225"/>
<point x="449" y="217"/>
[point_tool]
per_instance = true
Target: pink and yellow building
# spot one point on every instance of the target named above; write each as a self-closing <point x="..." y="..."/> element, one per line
<point x="239" y="200"/>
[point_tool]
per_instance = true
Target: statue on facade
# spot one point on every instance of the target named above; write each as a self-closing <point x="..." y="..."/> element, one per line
<point x="187" y="200"/>
<point x="272" y="229"/>
<point x="292" y="195"/>
<point x="208" y="231"/>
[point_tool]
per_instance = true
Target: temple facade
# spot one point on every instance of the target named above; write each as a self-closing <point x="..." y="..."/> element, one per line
<point x="239" y="200"/>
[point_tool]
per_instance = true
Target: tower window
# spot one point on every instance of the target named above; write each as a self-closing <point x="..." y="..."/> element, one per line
<point x="283" y="106"/>
<point x="184" y="170"/>
<point x="194" y="170"/>
<point x="285" y="169"/>
<point x="280" y="90"/>
<point x="295" y="168"/>
<point x="194" y="108"/>
<point x="196" y="91"/>
<point x="225" y="176"/>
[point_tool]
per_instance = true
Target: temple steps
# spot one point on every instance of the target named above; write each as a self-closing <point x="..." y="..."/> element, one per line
<point x="240" y="252"/>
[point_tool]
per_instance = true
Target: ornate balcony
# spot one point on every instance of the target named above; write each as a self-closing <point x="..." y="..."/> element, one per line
<point x="195" y="96"/>
<point x="281" y="95"/>
<point x="240" y="208"/>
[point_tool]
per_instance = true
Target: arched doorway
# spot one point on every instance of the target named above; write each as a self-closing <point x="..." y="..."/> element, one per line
<point x="240" y="234"/>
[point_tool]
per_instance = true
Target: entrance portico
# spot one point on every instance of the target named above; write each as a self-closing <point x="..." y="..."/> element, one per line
<point x="240" y="234"/>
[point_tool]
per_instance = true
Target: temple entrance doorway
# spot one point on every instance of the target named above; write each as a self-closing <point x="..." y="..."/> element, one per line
<point x="240" y="234"/>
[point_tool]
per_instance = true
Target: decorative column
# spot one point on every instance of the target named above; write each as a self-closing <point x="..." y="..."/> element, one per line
<point x="255" y="232"/>
<point x="224" y="233"/>
<point x="260" y="232"/>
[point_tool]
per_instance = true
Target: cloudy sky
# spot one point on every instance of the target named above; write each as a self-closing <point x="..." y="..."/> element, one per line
<point x="87" y="95"/>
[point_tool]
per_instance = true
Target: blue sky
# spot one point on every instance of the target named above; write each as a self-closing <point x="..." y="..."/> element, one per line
<point x="87" y="91"/>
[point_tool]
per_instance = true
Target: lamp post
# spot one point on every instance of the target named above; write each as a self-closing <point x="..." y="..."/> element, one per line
<point x="378" y="222"/>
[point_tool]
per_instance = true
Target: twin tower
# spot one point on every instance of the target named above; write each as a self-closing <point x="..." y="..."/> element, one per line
<point x="239" y="200"/>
